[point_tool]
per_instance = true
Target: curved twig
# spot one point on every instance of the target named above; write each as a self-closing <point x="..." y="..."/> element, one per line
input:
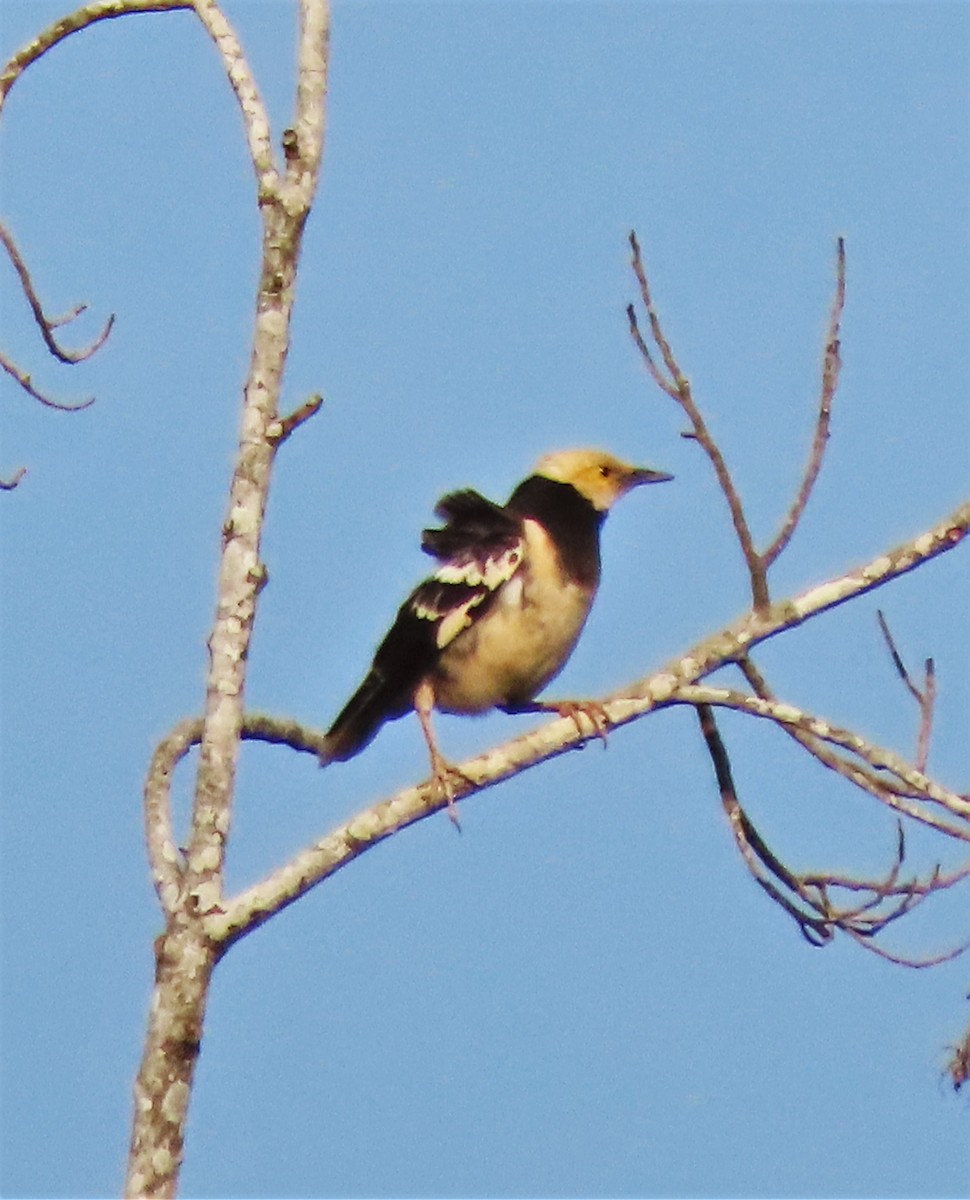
<point x="884" y="788"/>
<point x="164" y="854"/>
<point x="81" y="18"/>
<point x="27" y="384"/>
<point x="254" y="114"/>
<point x="7" y="485"/>
<point x="46" y="324"/>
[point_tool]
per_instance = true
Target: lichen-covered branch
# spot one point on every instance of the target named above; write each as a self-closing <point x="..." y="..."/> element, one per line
<point x="880" y="785"/>
<point x="914" y="781"/>
<point x="254" y="114"/>
<point x="191" y="891"/>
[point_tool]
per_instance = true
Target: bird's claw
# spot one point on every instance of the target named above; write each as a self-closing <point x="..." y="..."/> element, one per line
<point x="447" y="779"/>
<point x="592" y="710"/>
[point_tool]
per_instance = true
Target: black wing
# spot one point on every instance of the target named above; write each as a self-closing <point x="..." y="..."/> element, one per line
<point x="479" y="549"/>
<point x="474" y="526"/>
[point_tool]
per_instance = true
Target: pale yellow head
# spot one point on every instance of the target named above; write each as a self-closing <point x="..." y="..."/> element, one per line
<point x="597" y="475"/>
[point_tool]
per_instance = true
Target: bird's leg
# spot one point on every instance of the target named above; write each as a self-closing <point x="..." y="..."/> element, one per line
<point x="592" y="710"/>
<point x="445" y="775"/>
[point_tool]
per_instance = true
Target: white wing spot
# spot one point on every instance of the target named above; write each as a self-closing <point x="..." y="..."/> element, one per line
<point x="458" y="619"/>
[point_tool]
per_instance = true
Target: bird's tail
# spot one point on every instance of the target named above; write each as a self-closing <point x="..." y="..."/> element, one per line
<point x="365" y="712"/>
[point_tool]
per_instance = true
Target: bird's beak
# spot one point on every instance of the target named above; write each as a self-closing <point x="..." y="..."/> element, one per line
<point x="641" y="475"/>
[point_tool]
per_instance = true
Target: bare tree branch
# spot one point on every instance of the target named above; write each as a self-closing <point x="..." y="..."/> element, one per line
<point x="831" y="367"/>
<point x="27" y="384"/>
<point x="678" y="387"/>
<point x="809" y="901"/>
<point x="74" y="22"/>
<point x="877" y="757"/>
<point x="186" y="954"/>
<point x="925" y="697"/>
<point x="288" y="425"/>
<point x="254" y="114"/>
<point x="7" y="485"/>
<point x="231" y="919"/>
<point x="46" y="324"/>
<point x="883" y="787"/>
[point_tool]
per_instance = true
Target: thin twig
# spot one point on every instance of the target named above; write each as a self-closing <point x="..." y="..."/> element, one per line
<point x="670" y="362"/>
<point x="885" y="789"/>
<point x="25" y="382"/>
<point x="678" y="386"/>
<point x="831" y="367"/>
<point x="862" y="922"/>
<point x="754" y="850"/>
<point x="7" y="485"/>
<point x="876" y="756"/>
<point x="925" y="697"/>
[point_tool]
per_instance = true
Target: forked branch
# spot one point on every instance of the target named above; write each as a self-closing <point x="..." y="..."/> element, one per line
<point x="672" y="380"/>
<point x="47" y="324"/>
<point x="810" y="898"/>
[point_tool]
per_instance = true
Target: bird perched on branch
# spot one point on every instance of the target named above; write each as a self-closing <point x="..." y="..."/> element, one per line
<point x="503" y="610"/>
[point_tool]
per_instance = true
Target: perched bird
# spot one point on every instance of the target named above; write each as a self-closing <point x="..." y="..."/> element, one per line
<point x="503" y="610"/>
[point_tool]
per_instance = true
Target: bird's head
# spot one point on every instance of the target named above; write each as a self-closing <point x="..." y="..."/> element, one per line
<point x="598" y="476"/>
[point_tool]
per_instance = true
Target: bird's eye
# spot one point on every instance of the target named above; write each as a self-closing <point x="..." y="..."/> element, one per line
<point x="605" y="471"/>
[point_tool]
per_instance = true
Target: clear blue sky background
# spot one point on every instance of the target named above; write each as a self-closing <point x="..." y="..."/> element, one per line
<point x="584" y="994"/>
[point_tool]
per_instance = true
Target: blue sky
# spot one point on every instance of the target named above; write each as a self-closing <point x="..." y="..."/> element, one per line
<point x="584" y="994"/>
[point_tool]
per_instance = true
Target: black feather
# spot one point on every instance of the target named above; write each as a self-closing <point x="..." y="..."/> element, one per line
<point x="402" y="660"/>
<point x="475" y="528"/>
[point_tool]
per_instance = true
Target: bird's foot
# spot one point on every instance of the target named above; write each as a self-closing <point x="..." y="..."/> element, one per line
<point x="592" y="710"/>
<point x="447" y="780"/>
